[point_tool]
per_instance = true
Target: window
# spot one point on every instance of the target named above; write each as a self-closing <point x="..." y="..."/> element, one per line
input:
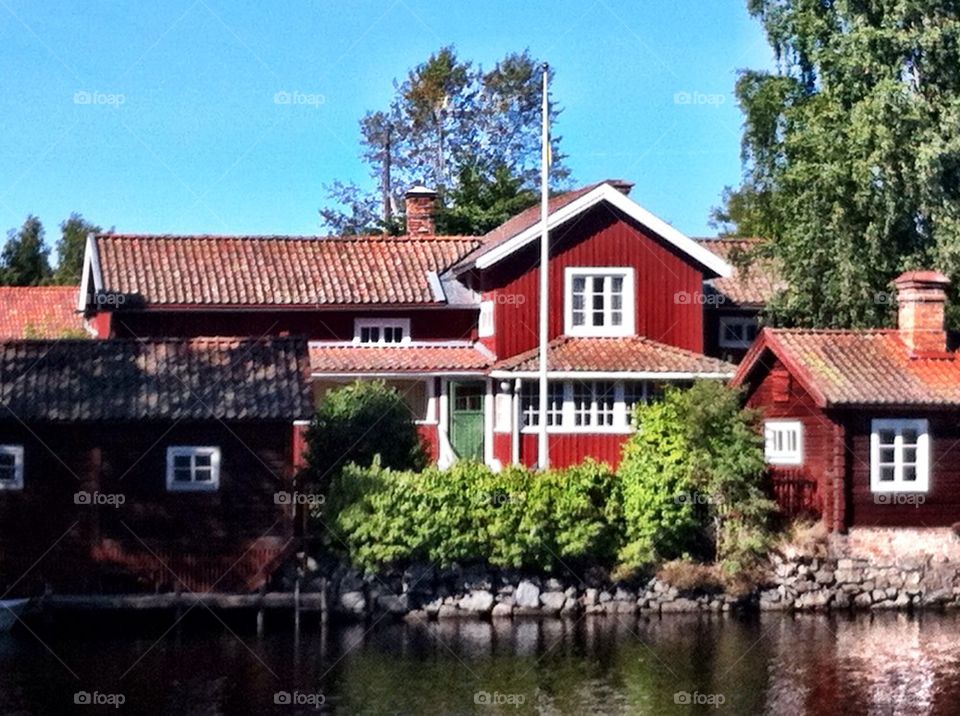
<point x="737" y="331"/>
<point x="530" y="404"/>
<point x="899" y="456"/>
<point x="599" y="302"/>
<point x="193" y="468"/>
<point x="594" y="404"/>
<point x="381" y="331"/>
<point x="485" y="325"/>
<point x="11" y="467"/>
<point x="784" y="442"/>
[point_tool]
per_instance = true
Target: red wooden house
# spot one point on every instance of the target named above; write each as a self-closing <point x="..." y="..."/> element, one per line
<point x="450" y="320"/>
<point x="863" y="427"/>
<point x="148" y="465"/>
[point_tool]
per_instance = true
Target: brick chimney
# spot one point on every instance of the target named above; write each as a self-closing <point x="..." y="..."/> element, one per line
<point x="421" y="207"/>
<point x="921" y="296"/>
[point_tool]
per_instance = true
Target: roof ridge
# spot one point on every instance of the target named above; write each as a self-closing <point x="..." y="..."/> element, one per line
<point x="290" y="237"/>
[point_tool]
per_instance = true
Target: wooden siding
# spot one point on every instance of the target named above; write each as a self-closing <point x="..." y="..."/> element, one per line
<point x="327" y="325"/>
<point x="941" y="504"/>
<point x="572" y="448"/>
<point x="773" y="390"/>
<point x="157" y="539"/>
<point x="667" y="285"/>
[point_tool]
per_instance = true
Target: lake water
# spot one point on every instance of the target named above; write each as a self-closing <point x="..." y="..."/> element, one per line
<point x="772" y="664"/>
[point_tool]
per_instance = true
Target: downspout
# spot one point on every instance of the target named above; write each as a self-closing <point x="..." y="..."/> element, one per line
<point x="515" y="424"/>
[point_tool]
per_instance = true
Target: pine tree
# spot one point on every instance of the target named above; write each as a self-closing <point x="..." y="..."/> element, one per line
<point x="24" y="260"/>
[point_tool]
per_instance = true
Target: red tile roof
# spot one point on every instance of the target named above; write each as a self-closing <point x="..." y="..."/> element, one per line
<point x="40" y="312"/>
<point x="858" y="368"/>
<point x="168" y="379"/>
<point x="340" y="358"/>
<point x="632" y="354"/>
<point x="276" y="270"/>
<point x="753" y="286"/>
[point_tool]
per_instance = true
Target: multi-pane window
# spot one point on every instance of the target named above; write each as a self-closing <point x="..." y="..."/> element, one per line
<point x="738" y="331"/>
<point x="783" y="442"/>
<point x="899" y="456"/>
<point x="193" y="467"/>
<point x="380" y="331"/>
<point x="599" y="302"/>
<point x="11" y="467"/>
<point x="586" y="406"/>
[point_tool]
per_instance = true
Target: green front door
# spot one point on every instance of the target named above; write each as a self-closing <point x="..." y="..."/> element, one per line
<point x="466" y="419"/>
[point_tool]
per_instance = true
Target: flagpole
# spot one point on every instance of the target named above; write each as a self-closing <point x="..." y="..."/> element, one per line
<point x="543" y="449"/>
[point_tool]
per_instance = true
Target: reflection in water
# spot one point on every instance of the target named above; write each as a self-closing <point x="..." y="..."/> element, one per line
<point x="880" y="664"/>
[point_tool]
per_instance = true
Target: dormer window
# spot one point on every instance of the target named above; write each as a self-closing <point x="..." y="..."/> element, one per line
<point x="599" y="302"/>
<point x="381" y="331"/>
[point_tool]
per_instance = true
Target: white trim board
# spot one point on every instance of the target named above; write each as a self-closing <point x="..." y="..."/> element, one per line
<point x="607" y="193"/>
<point x="612" y="375"/>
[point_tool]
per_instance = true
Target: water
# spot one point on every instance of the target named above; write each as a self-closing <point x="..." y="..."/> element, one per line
<point x="880" y="664"/>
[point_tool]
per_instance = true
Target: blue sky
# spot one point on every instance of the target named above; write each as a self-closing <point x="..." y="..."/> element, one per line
<point x="161" y="117"/>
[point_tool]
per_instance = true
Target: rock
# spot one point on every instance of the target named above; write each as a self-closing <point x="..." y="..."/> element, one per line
<point x="502" y="610"/>
<point x="418" y="577"/>
<point x="478" y="601"/>
<point x="591" y="596"/>
<point x="604" y="597"/>
<point x="863" y="600"/>
<point x="571" y="592"/>
<point x="394" y="604"/>
<point x="553" y="601"/>
<point x="814" y="600"/>
<point x="878" y="595"/>
<point x="553" y="585"/>
<point x="432" y="608"/>
<point x="935" y="597"/>
<point x="474" y="579"/>
<point x="624" y="595"/>
<point x="448" y="611"/>
<point x="823" y="576"/>
<point x="570" y="607"/>
<point x="527" y="595"/>
<point x="351" y="581"/>
<point x="679" y="605"/>
<point x="416" y="615"/>
<point x="353" y="602"/>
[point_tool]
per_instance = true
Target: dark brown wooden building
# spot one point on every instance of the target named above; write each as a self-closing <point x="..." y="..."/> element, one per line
<point x="863" y="427"/>
<point x="148" y="465"/>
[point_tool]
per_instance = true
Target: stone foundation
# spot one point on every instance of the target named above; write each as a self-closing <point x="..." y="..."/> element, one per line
<point x="867" y="569"/>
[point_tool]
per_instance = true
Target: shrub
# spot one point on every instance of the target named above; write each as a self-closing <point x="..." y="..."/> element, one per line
<point x="512" y="518"/>
<point x="694" y="470"/>
<point x="356" y="422"/>
<point x="689" y="576"/>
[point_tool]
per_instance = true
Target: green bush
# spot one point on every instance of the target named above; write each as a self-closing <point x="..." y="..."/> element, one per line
<point x="695" y="469"/>
<point x="357" y="422"/>
<point x="511" y="518"/>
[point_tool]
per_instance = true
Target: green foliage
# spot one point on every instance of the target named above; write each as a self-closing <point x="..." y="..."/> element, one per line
<point x="70" y="248"/>
<point x="696" y="462"/>
<point x="851" y="153"/>
<point x="471" y="134"/>
<point x="24" y="260"/>
<point x="357" y="422"/>
<point x="511" y="518"/>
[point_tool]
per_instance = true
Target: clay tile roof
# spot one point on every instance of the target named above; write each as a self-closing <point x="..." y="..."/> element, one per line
<point x="633" y="354"/>
<point x="173" y="379"/>
<point x="861" y="368"/>
<point x="746" y="287"/>
<point x="40" y="312"/>
<point x="276" y="270"/>
<point x="339" y="358"/>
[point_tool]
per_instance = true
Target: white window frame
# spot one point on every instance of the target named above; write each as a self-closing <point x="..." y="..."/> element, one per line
<point x="784" y="456"/>
<point x="402" y="323"/>
<point x="485" y="328"/>
<point x="17" y="482"/>
<point x="898" y="425"/>
<point x="628" y="324"/>
<point x="740" y="322"/>
<point x="193" y="451"/>
<point x="590" y="415"/>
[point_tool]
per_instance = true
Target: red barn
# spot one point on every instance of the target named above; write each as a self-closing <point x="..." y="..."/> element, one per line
<point x="148" y="465"/>
<point x="863" y="427"/>
<point x="451" y="321"/>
